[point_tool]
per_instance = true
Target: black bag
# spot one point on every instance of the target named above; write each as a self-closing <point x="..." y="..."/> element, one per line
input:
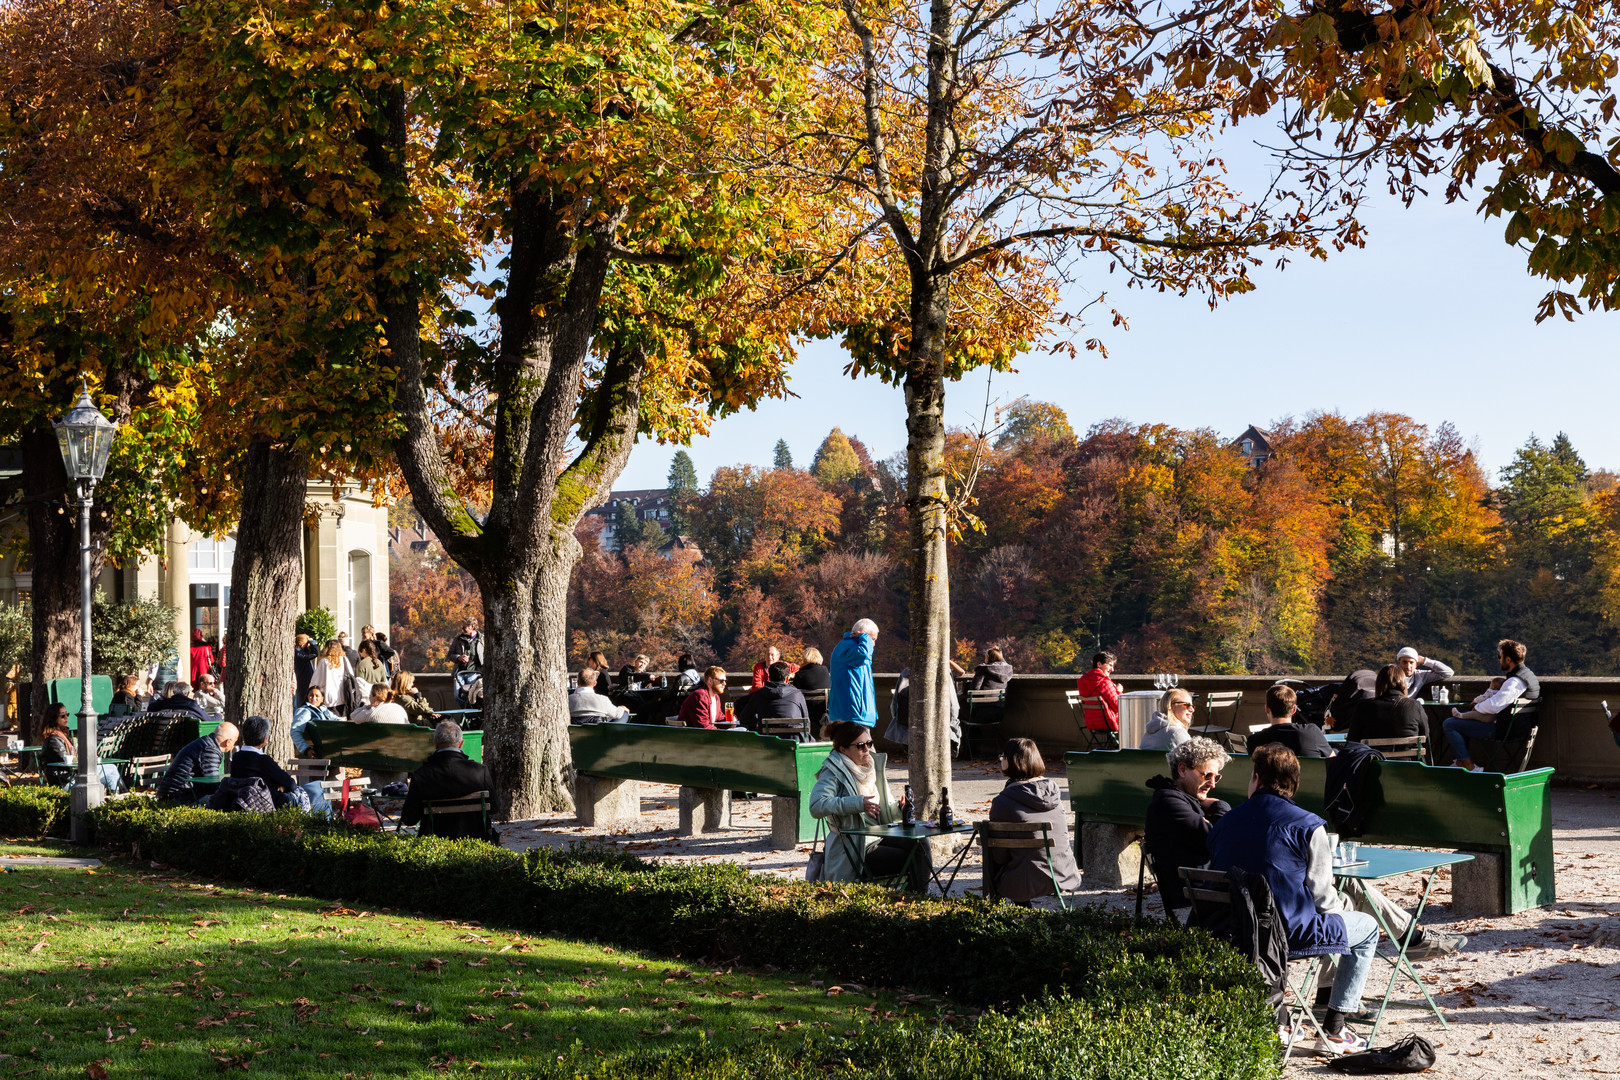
<point x="1411" y="1055"/>
<point x="247" y="793"/>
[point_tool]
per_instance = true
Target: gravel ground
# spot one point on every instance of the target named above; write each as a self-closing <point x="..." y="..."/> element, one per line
<point x="1529" y="995"/>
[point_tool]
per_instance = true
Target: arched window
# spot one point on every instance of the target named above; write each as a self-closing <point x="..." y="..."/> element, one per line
<point x="359" y="593"/>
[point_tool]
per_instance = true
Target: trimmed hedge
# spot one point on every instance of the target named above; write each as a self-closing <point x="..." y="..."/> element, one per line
<point x="33" y="812"/>
<point x="1086" y="993"/>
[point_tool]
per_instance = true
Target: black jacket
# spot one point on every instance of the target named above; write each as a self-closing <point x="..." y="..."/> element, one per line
<point x="450" y="774"/>
<point x="994" y="676"/>
<point x="304" y="667"/>
<point x="1388" y="718"/>
<point x="474" y="648"/>
<point x="1257" y="930"/>
<point x="773" y="701"/>
<point x="812" y="677"/>
<point x="1305" y="740"/>
<point x="1177" y="829"/>
<point x="177" y="704"/>
<point x="246" y="763"/>
<point x="200" y="757"/>
<point x="1351" y="788"/>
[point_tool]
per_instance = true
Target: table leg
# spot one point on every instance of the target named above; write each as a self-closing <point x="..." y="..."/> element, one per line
<point x="1400" y="962"/>
<point x="956" y="868"/>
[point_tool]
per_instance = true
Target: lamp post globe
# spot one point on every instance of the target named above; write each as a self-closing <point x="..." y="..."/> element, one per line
<point x="85" y="437"/>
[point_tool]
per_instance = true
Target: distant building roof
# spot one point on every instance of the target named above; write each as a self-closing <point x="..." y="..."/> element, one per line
<point x="1254" y="444"/>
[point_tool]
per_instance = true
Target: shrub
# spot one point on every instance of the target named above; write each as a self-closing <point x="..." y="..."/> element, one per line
<point x="131" y="636"/>
<point x="318" y="624"/>
<point x="32" y="812"/>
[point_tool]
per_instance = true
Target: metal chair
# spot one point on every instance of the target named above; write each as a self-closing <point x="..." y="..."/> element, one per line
<point x="817" y="702"/>
<point x="1406" y="748"/>
<point x="674" y="721"/>
<point x="1015" y="836"/>
<point x="1210" y="893"/>
<point x="1215" y="705"/>
<point x="306" y="770"/>
<point x="1512" y="754"/>
<point x="333" y="789"/>
<point x="1091" y="739"/>
<point x="434" y="811"/>
<point x="992" y="703"/>
<point x="144" y="772"/>
<point x="786" y="727"/>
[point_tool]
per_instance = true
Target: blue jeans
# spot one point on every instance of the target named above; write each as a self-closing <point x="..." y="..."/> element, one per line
<point x="1459" y="731"/>
<point x="1361" y="930"/>
<point x="317" y="799"/>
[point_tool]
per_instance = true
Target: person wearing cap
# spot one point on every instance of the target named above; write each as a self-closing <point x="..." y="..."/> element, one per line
<point x="1420" y="671"/>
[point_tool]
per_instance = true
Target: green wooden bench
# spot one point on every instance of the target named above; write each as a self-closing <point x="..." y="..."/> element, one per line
<point x="70" y="692"/>
<point x="1504" y="820"/>
<point x="610" y="760"/>
<point x="384" y="747"/>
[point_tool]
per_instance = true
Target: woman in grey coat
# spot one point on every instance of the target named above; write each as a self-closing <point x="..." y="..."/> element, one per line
<point x="851" y="791"/>
<point x="1021" y="873"/>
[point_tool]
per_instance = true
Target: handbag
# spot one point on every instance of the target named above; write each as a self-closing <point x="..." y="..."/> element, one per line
<point x="1410" y="1055"/>
<point x="816" y="868"/>
<point x="358" y="814"/>
<point x="248" y="794"/>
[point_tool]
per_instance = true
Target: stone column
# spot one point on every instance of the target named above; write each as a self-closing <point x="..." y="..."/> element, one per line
<point x="705" y="810"/>
<point x="785" y="822"/>
<point x="1110" y="854"/>
<point x="1477" y="888"/>
<point x="602" y="801"/>
<point x="179" y="595"/>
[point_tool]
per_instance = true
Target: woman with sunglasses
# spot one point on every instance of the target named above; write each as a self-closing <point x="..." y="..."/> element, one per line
<point x="852" y="792"/>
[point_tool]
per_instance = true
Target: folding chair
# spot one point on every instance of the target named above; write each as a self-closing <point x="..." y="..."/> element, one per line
<point x="1210" y="892"/>
<point x="817" y="701"/>
<point x="1015" y="836"/>
<point x="786" y="727"/>
<point x="990" y="703"/>
<point x="146" y="771"/>
<point x="1148" y="866"/>
<point x="435" y="811"/>
<point x="306" y="770"/>
<point x="1215" y="705"/>
<point x="333" y="789"/>
<point x="674" y="721"/>
<point x="1512" y="754"/>
<point x="1406" y="748"/>
<point x="1091" y="739"/>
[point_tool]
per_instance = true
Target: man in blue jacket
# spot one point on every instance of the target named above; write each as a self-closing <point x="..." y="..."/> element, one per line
<point x="851" y="695"/>
<point x="1272" y="836"/>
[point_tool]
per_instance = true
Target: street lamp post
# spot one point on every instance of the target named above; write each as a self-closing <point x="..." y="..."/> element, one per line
<point x="85" y="437"/>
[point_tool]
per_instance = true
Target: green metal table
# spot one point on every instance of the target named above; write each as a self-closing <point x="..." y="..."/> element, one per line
<point x="917" y="830"/>
<point x="1380" y="863"/>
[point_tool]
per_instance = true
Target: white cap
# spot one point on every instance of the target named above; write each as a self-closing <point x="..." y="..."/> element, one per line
<point x="1408" y="651"/>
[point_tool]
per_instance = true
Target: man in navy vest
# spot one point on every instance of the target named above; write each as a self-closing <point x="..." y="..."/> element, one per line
<point x="1270" y="835"/>
<point x="1490" y="718"/>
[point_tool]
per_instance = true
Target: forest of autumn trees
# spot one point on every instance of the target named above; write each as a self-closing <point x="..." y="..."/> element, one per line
<point x="1357" y="536"/>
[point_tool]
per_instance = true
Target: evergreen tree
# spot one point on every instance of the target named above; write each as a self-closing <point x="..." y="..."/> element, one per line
<point x="784" y="456"/>
<point x="682" y="475"/>
<point x="836" y="460"/>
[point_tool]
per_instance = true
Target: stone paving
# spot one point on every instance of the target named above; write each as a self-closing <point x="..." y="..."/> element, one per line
<point x="1531" y="995"/>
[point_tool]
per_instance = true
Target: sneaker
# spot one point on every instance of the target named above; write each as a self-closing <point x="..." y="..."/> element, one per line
<point x="1345" y="1042"/>
<point x="1477" y="768"/>
<point x="1434" y="945"/>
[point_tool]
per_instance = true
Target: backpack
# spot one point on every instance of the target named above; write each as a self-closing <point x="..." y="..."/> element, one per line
<point x="244" y="793"/>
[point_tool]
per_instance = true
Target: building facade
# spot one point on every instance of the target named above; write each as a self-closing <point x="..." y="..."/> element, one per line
<point x="345" y="570"/>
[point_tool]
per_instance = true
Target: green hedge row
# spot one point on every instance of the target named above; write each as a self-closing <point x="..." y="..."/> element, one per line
<point x="30" y="812"/>
<point x="1079" y="993"/>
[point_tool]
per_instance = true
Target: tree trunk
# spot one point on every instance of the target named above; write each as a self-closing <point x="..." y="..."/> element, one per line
<point x="266" y="582"/>
<point x="53" y="549"/>
<point x="929" y="719"/>
<point x="526" y="686"/>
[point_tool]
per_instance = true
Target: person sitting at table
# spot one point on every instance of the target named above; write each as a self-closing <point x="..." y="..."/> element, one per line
<point x="177" y="699"/>
<point x="1167" y="728"/>
<point x="200" y="757"/>
<point x="633" y="676"/>
<point x="994" y="674"/>
<point x="381" y="709"/>
<point x="1031" y="796"/>
<point x="311" y="713"/>
<point x="1490" y="716"/>
<point x="1305" y="740"/>
<point x="585" y="705"/>
<point x="762" y="669"/>
<point x="599" y="661"/>
<point x="451" y="774"/>
<point x="126" y="695"/>
<point x="56" y="754"/>
<point x="251" y="760"/>
<point x="704" y="706"/>
<point x="899" y="729"/>
<point x="813" y="673"/>
<point x="1392" y="714"/>
<point x="776" y="700"/>
<point x="689" y="678"/>
<point x="1420" y="671"/>
<point x="1358" y="686"/>
<point x="209" y="695"/>
<point x="852" y="792"/>
<point x="409" y="698"/>
<point x="1096" y="684"/>
<point x="1180" y="815"/>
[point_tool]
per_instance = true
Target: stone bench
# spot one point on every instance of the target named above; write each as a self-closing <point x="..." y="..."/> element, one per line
<point x="1503" y="819"/>
<point x="611" y="761"/>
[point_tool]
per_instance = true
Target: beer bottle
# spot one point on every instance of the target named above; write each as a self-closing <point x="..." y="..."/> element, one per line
<point x="947" y="820"/>
<point x="905" y="808"/>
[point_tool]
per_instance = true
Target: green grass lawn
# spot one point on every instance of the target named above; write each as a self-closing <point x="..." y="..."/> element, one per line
<point x="127" y="970"/>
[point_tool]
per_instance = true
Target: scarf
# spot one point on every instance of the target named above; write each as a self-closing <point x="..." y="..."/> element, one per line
<point x="865" y="778"/>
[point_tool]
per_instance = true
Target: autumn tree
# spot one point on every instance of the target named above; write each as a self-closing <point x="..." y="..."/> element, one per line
<point x="835" y="459"/>
<point x="987" y="152"/>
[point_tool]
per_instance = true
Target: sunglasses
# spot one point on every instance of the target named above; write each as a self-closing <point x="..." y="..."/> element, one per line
<point x="867" y="745"/>
<point x="1212" y="777"/>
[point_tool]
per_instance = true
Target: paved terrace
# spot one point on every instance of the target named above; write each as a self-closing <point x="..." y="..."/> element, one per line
<point x="1531" y="995"/>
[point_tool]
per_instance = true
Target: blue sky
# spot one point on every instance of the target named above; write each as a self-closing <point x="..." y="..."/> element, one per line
<point x="1435" y="318"/>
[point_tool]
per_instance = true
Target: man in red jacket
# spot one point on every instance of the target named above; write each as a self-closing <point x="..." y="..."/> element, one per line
<point x="1096" y="683"/>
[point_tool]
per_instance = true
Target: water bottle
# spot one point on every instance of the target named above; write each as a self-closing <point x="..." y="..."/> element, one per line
<point x="1444" y="694"/>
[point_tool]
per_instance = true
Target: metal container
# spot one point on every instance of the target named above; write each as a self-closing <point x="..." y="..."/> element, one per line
<point x="1135" y="710"/>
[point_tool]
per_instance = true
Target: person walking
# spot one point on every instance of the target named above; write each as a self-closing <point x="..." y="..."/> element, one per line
<point x="851" y="695"/>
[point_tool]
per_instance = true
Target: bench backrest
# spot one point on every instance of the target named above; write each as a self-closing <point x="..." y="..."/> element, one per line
<point x="69" y="691"/>
<point x="384" y="747"/>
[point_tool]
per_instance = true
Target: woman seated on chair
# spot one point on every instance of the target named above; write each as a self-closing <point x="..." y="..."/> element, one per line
<point x="1022" y="874"/>
<point x="57" y="757"/>
<point x="1389" y="714"/>
<point x="852" y="792"/>
<point x="251" y="760"/>
<point x="125" y="697"/>
<point x="382" y="709"/>
<point x="409" y="698"/>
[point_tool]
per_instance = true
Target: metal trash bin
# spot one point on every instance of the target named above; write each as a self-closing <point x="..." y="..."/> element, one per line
<point x="1136" y="708"/>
